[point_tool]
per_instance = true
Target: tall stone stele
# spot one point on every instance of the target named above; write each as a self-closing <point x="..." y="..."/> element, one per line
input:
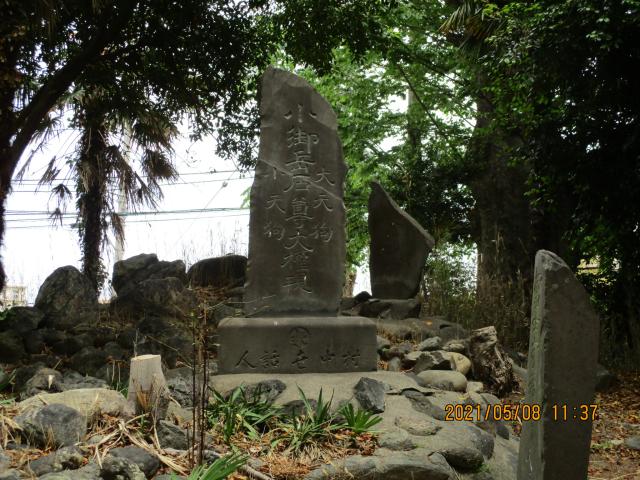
<point x="297" y="247"/>
<point x="561" y="375"/>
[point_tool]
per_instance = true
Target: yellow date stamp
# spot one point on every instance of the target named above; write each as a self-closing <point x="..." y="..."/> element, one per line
<point x="523" y="412"/>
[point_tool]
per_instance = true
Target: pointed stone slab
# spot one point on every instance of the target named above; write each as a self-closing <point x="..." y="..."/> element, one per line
<point x="297" y="243"/>
<point x="399" y="247"/>
<point x="563" y="353"/>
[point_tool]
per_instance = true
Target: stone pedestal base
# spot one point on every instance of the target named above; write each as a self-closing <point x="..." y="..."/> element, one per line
<point x="297" y="345"/>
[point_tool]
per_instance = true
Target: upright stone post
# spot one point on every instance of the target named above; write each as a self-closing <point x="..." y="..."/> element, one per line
<point x="561" y="377"/>
<point x="297" y="246"/>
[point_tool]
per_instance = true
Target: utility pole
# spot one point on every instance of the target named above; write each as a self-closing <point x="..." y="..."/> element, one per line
<point x="122" y="197"/>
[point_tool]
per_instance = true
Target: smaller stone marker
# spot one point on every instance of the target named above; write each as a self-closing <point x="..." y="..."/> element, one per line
<point x="399" y="247"/>
<point x="563" y="353"/>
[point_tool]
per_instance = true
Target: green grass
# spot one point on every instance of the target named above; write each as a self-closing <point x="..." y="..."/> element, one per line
<point x="239" y="412"/>
<point x="218" y="470"/>
<point x="358" y="421"/>
<point x="252" y="415"/>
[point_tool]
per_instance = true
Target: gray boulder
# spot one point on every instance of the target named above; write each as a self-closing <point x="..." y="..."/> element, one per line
<point x="147" y="462"/>
<point x="397" y="439"/>
<point x="430" y="344"/>
<point x="10" y="474"/>
<point x="218" y="272"/>
<point x="66" y="458"/>
<point x="52" y="424"/>
<point x="399" y="350"/>
<point x="385" y="464"/>
<point x="117" y="468"/>
<point x="389" y="309"/>
<point x="44" y="380"/>
<point x="399" y="247"/>
<point x="88" y="472"/>
<point x="66" y="298"/>
<point x="444" y="380"/>
<point x="129" y="273"/>
<point x="34" y="342"/>
<point x="155" y="297"/>
<point x="463" y="458"/>
<point x="370" y="394"/>
<point x="604" y="379"/>
<point x="21" y="320"/>
<point x="11" y="347"/>
<point x="88" y="360"/>
<point x="73" y="381"/>
<point x="433" y="361"/>
<point x="265" y="390"/>
<point x="172" y="436"/>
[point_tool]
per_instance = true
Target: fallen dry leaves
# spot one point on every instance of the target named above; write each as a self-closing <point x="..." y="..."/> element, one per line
<point x="618" y="418"/>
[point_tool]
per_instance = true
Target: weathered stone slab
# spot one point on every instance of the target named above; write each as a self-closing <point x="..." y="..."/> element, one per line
<point x="399" y="247"/>
<point x="563" y="352"/>
<point x="297" y="228"/>
<point x="297" y="345"/>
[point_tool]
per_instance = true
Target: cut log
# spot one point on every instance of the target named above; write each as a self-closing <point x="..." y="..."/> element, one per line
<point x="148" y="391"/>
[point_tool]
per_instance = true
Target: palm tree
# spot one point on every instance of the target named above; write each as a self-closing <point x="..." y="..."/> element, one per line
<point x="100" y="167"/>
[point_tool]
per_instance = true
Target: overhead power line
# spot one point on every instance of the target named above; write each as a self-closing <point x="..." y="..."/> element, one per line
<point x="71" y="225"/>
<point x="180" y="174"/>
<point x="47" y="215"/>
<point x="162" y="184"/>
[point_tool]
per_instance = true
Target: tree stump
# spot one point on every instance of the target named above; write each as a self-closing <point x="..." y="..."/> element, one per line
<point x="489" y="361"/>
<point x="148" y="391"/>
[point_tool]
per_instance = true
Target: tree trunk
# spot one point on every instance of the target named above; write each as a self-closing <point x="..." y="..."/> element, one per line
<point x="502" y="215"/>
<point x="92" y="178"/>
<point x="4" y="190"/>
<point x="7" y="167"/>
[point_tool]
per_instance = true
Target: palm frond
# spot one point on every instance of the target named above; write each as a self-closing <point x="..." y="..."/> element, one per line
<point x="50" y="173"/>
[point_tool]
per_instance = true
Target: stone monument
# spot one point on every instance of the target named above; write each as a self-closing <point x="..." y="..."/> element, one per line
<point x="561" y="378"/>
<point x="399" y="248"/>
<point x="297" y="249"/>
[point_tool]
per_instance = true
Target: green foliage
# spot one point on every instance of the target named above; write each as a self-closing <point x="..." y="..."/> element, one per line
<point x="5" y="379"/>
<point x="358" y="421"/>
<point x="253" y="415"/>
<point x="562" y="75"/>
<point x="314" y="424"/>
<point x="240" y="412"/>
<point x="218" y="470"/>
<point x="451" y="291"/>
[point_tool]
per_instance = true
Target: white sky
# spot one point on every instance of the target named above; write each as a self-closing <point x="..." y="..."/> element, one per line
<point x="33" y="248"/>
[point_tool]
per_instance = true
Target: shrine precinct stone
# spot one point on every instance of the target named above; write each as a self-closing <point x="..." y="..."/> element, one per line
<point x="561" y="371"/>
<point x="398" y="250"/>
<point x="297" y="244"/>
<point x="296" y="345"/>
